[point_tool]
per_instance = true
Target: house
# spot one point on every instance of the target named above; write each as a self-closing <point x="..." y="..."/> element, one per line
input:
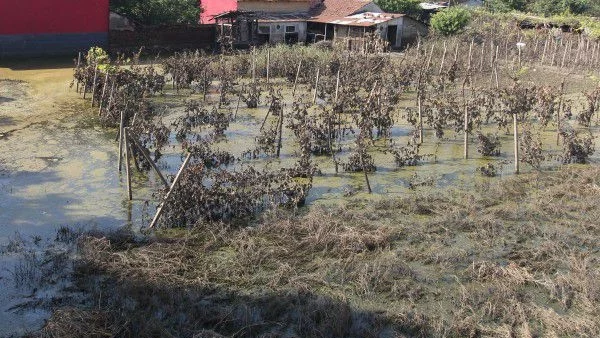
<point x="293" y="21"/>
<point x="57" y="27"/>
<point x="397" y="29"/>
<point x="280" y="20"/>
<point x="210" y="8"/>
<point x="320" y="26"/>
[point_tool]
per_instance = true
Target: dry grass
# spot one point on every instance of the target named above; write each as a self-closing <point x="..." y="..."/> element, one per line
<point x="511" y="258"/>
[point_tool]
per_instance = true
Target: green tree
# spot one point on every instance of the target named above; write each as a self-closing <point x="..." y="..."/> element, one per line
<point x="505" y="5"/>
<point x="551" y="7"/>
<point x="410" y="7"/>
<point x="155" y="12"/>
<point x="450" y="21"/>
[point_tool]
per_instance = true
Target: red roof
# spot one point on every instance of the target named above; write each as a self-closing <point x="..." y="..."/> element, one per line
<point x="210" y="8"/>
<point x="331" y="10"/>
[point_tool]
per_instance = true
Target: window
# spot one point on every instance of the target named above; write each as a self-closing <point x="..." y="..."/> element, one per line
<point x="290" y="29"/>
<point x="264" y="30"/>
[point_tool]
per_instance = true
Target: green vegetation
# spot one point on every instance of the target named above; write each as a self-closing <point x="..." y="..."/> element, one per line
<point x="410" y="7"/>
<point x="545" y="7"/>
<point x="156" y="12"/>
<point x="451" y="20"/>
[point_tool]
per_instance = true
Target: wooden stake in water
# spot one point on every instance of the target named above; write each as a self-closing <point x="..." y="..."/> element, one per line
<point x="144" y="153"/>
<point x="121" y="129"/>
<point x="161" y="207"/>
<point x="127" y="169"/>
<point x="268" y="63"/>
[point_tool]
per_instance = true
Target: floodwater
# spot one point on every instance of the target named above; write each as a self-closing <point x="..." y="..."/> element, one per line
<point x="58" y="167"/>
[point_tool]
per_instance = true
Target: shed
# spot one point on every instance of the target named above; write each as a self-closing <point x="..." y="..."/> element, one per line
<point x="57" y="27"/>
<point x="397" y="29"/>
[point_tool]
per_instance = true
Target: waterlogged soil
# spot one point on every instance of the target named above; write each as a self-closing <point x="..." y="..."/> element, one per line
<point x="442" y="165"/>
<point x="57" y="168"/>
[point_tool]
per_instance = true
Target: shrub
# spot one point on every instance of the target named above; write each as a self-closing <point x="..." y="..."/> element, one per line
<point x="451" y="20"/>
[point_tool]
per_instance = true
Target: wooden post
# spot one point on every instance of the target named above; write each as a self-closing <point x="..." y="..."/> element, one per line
<point x="562" y="64"/>
<point x="544" y="51"/>
<point x="253" y="64"/>
<point x="443" y="59"/>
<point x="516" y="139"/>
<point x="470" y="56"/>
<point x="110" y="98"/>
<point x="85" y="85"/>
<point x="496" y="67"/>
<point x="103" y="93"/>
<point x="482" y="56"/>
<point x="131" y="153"/>
<point x="364" y="169"/>
<point x="554" y="53"/>
<point x="337" y="86"/>
<point x="94" y="85"/>
<point x="127" y="170"/>
<point x="77" y="68"/>
<point x="161" y="207"/>
<point x="330" y="142"/>
<point x="558" y="113"/>
<point x="280" y="130"/>
<point x="268" y="63"/>
<point x="152" y="164"/>
<point x="237" y="106"/>
<point x="420" y="112"/>
<point x="296" y="80"/>
<point x="466" y="127"/>
<point x="430" y="56"/>
<point x="316" y="87"/>
<point x="121" y="131"/>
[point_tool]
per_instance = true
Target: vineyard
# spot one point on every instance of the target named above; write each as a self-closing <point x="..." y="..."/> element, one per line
<point x="260" y="127"/>
<point x="425" y="242"/>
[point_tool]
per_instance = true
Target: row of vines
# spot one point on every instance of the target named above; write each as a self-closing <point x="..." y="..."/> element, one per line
<point x="336" y="102"/>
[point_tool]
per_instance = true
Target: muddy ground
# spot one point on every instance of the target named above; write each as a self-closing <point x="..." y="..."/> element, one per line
<point x="57" y="168"/>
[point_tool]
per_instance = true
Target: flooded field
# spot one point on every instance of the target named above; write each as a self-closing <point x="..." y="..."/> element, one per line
<point x="58" y="167"/>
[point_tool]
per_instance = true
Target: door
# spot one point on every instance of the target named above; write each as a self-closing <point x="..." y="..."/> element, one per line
<point x="392" y="33"/>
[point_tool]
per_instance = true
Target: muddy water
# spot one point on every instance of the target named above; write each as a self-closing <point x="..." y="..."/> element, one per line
<point x="442" y="166"/>
<point x="58" y="167"/>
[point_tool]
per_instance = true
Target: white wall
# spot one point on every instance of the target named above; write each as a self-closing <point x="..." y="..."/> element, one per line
<point x="277" y="30"/>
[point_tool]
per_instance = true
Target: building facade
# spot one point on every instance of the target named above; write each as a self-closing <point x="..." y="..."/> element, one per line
<point x="57" y="27"/>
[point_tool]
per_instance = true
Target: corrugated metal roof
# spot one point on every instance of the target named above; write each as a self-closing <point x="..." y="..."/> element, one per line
<point x="366" y="19"/>
<point x="334" y="9"/>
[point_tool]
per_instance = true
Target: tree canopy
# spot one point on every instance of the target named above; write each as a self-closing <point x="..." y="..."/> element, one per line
<point x="410" y="7"/>
<point x="155" y="12"/>
<point x="545" y="7"/>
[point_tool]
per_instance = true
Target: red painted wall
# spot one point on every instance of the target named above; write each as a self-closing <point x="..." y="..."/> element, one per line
<point x="213" y="7"/>
<point x="53" y="16"/>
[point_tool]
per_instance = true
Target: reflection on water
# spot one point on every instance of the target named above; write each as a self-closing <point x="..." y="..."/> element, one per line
<point x="66" y="174"/>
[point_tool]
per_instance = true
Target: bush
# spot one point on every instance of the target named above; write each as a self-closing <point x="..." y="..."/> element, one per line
<point x="451" y="20"/>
